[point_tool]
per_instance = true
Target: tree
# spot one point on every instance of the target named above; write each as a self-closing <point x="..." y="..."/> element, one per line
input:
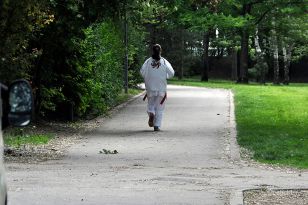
<point x="281" y="29"/>
<point x="201" y="16"/>
<point x="43" y="42"/>
<point x="19" y="21"/>
<point x="255" y="14"/>
<point x="293" y="35"/>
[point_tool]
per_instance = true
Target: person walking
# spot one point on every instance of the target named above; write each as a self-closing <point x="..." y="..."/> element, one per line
<point x="155" y="71"/>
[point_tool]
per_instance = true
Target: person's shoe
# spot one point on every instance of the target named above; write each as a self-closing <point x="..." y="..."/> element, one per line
<point x="156" y="129"/>
<point x="151" y="119"/>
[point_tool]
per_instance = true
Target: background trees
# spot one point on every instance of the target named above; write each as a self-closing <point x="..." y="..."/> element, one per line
<point x="73" y="51"/>
<point x="241" y="21"/>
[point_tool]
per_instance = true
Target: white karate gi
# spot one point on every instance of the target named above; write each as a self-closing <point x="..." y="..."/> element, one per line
<point x="155" y="74"/>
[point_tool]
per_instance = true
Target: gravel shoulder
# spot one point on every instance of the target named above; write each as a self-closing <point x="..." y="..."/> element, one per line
<point x="65" y="135"/>
<point x="277" y="197"/>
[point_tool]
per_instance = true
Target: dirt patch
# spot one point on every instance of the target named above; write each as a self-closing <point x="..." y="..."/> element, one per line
<point x="65" y="135"/>
<point x="277" y="197"/>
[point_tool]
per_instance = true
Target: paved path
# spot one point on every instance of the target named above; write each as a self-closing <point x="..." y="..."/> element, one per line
<point x="194" y="160"/>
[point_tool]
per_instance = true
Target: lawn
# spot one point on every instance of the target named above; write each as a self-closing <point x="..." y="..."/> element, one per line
<point x="272" y="121"/>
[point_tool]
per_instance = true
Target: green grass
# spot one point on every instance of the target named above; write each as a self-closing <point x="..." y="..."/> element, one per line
<point x="272" y="121"/>
<point x="25" y="139"/>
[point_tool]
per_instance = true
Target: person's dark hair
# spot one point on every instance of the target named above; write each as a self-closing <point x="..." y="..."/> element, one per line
<point x="156" y="52"/>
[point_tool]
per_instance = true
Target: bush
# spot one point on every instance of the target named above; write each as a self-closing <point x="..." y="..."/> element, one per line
<point x="102" y="72"/>
<point x="93" y="78"/>
<point x="136" y="55"/>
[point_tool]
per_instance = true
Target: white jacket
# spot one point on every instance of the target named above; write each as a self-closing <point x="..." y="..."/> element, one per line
<point x="155" y="74"/>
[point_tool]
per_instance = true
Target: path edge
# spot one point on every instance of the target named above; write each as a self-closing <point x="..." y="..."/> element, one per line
<point x="237" y="196"/>
<point x="234" y="147"/>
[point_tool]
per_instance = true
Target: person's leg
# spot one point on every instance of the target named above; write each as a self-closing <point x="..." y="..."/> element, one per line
<point x="151" y="110"/>
<point x="159" y="109"/>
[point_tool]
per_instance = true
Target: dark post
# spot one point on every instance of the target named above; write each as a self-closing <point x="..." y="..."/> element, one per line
<point x="71" y="111"/>
<point x="206" y="58"/>
<point x="126" y="50"/>
<point x="234" y="75"/>
<point x="1" y="110"/>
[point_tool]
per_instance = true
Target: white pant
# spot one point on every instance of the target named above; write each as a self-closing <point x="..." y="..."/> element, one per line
<point x="156" y="108"/>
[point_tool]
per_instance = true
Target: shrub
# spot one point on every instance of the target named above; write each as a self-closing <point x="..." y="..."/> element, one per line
<point x="102" y="71"/>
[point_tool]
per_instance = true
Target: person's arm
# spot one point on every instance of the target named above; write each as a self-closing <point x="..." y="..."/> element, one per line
<point x="169" y="70"/>
<point x="144" y="69"/>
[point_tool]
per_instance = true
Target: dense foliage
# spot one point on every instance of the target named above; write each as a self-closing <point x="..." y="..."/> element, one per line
<point x="102" y="72"/>
<point x="19" y="21"/>
<point x="73" y="52"/>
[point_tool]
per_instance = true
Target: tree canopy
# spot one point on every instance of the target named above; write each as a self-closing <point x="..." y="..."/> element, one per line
<point x="73" y="51"/>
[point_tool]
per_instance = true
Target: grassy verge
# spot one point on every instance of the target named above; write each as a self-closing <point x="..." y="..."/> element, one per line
<point x="14" y="137"/>
<point x="18" y="139"/>
<point x="123" y="97"/>
<point x="271" y="120"/>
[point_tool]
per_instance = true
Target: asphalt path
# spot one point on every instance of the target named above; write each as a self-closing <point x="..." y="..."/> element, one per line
<point x="193" y="160"/>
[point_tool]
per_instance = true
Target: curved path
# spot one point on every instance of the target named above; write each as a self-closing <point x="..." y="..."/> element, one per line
<point x="194" y="160"/>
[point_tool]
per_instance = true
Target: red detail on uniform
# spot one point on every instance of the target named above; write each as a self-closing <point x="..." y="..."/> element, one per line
<point x="161" y="102"/>
<point x="164" y="99"/>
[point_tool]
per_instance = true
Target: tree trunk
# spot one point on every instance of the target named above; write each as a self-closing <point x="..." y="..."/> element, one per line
<point x="275" y="51"/>
<point x="182" y="47"/>
<point x="234" y="75"/>
<point x="276" y="60"/>
<point x="152" y="37"/>
<point x="244" y="57"/>
<point x="206" y="65"/>
<point x="37" y="83"/>
<point x="261" y="64"/>
<point x="244" y="48"/>
<point x="287" y="53"/>
<point x="126" y="51"/>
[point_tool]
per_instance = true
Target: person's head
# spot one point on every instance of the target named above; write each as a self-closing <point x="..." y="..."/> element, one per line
<point x="156" y="52"/>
